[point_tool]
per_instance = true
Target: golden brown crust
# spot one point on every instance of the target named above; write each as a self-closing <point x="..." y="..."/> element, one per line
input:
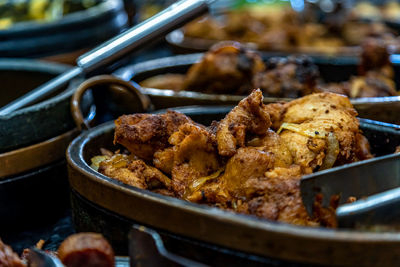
<point x="144" y="134"/>
<point x="248" y="117"/>
<point x="226" y="68"/>
<point x="240" y="164"/>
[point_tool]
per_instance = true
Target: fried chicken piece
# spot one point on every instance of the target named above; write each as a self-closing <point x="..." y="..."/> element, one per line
<point x="144" y="134"/>
<point x="227" y="68"/>
<point x="249" y="117"/>
<point x="8" y="258"/>
<point x="375" y="57"/>
<point x="375" y="74"/>
<point x="373" y="84"/>
<point x="86" y="249"/>
<point x="194" y="156"/>
<point x="315" y="116"/>
<point x="288" y="77"/>
<point x="273" y="143"/>
<point x="248" y="163"/>
<point x="275" y="111"/>
<point x="134" y="172"/>
<point x="279" y="200"/>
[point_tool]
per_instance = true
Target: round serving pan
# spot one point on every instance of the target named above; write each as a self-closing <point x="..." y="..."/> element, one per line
<point x="66" y="38"/>
<point x="38" y="122"/>
<point x="331" y="69"/>
<point x="208" y="224"/>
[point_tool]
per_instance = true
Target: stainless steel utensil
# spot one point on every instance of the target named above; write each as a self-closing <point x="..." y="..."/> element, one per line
<point x="375" y="183"/>
<point x="171" y="18"/>
<point x="39" y="258"/>
<point x="146" y="248"/>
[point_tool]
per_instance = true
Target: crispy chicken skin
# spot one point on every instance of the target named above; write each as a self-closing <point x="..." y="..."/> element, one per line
<point x="279" y="200"/>
<point x="240" y="163"/>
<point x="322" y="113"/>
<point x="144" y="134"/>
<point x="226" y="68"/>
<point x="248" y="118"/>
<point x="195" y="156"/>
<point x="134" y="172"/>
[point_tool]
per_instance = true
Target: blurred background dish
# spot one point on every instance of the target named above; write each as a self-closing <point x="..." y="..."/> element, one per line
<point x="58" y="30"/>
<point x="312" y="27"/>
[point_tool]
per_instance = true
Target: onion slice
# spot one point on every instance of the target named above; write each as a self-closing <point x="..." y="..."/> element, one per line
<point x="333" y="144"/>
<point x="331" y="153"/>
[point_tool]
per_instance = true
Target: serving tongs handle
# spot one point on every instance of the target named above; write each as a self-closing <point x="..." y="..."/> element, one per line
<point x="146" y="32"/>
<point x="377" y="211"/>
<point x="146" y="248"/>
<point x="159" y="25"/>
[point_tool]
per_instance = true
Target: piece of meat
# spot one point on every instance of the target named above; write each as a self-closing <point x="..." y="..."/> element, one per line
<point x="315" y="116"/>
<point x="195" y="156"/>
<point x="280" y="200"/>
<point x="134" y="172"/>
<point x="373" y="84"/>
<point x="288" y="77"/>
<point x="86" y="249"/>
<point x="248" y="163"/>
<point x="227" y="68"/>
<point x="375" y="57"/>
<point x="241" y="164"/>
<point x="249" y="117"/>
<point x="273" y="144"/>
<point x="144" y="134"/>
<point x="8" y="258"/>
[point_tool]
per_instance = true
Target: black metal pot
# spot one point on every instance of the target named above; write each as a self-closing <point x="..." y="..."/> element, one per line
<point x="38" y="122"/>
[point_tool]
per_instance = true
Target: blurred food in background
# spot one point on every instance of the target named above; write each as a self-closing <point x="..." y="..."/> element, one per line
<point x="381" y="10"/>
<point x="321" y="26"/>
<point x="58" y="30"/>
<point x="12" y="12"/>
<point x="231" y="68"/>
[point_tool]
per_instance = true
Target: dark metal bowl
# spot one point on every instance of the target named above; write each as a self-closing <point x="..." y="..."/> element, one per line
<point x="332" y="70"/>
<point x="240" y="232"/>
<point x="40" y="121"/>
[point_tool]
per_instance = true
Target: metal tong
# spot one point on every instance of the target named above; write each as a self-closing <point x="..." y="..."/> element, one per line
<point x="111" y="51"/>
<point x="375" y="183"/>
<point x="39" y="258"/>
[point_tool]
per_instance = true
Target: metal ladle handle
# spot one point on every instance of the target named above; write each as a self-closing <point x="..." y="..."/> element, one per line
<point x="97" y="81"/>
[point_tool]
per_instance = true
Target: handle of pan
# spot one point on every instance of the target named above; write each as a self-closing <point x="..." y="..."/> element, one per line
<point x="102" y="80"/>
<point x="171" y="18"/>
